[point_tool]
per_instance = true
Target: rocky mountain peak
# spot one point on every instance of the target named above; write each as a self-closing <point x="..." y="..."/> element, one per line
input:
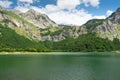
<point x="38" y="19"/>
<point x="33" y="12"/>
<point x="118" y="10"/>
<point x="36" y="25"/>
<point x="115" y="17"/>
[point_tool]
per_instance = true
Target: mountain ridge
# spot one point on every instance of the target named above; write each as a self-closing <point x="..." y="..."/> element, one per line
<point x="39" y="27"/>
<point x="17" y="33"/>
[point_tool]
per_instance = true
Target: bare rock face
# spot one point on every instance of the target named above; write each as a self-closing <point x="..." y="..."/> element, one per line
<point x="38" y="19"/>
<point x="115" y="17"/>
<point x="36" y="26"/>
<point x="18" y="23"/>
<point x="110" y="27"/>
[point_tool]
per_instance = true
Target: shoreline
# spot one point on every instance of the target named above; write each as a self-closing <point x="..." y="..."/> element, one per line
<point x="63" y="53"/>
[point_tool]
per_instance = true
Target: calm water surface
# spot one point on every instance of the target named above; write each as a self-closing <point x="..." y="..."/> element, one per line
<point x="70" y="66"/>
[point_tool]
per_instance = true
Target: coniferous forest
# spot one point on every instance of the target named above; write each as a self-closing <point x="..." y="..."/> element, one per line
<point x="11" y="41"/>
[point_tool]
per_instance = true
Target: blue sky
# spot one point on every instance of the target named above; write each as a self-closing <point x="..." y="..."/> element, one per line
<point x="75" y="12"/>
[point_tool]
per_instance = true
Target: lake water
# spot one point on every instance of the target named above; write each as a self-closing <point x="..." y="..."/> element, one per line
<point x="60" y="66"/>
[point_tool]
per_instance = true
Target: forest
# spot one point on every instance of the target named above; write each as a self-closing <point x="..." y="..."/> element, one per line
<point x="11" y="41"/>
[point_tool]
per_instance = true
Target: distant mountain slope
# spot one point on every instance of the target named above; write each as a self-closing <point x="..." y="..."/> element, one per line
<point x="37" y="26"/>
<point x="19" y="24"/>
<point x="108" y="28"/>
<point x="33" y="31"/>
<point x="11" y="41"/>
<point x="38" y="19"/>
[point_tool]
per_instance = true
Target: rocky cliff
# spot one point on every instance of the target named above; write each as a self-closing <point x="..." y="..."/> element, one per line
<point x="37" y="26"/>
<point x="108" y="28"/>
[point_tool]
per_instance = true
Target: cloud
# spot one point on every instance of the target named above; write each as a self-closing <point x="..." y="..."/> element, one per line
<point x="75" y="17"/>
<point x="67" y="4"/>
<point x="28" y="1"/>
<point x="5" y="4"/>
<point x="94" y="3"/>
<point x="23" y="7"/>
<point x="41" y="10"/>
<point x="52" y="8"/>
<point x="99" y="17"/>
<point x="60" y="15"/>
<point x="71" y="4"/>
<point x="109" y="12"/>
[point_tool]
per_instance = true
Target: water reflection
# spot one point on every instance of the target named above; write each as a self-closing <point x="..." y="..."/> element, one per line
<point x="59" y="67"/>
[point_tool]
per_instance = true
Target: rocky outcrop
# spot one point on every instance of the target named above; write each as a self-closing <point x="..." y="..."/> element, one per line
<point x="19" y="24"/>
<point x="105" y="28"/>
<point x="38" y="19"/>
<point x="37" y="26"/>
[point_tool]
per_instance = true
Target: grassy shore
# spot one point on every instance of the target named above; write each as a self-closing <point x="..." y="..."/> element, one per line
<point x="65" y="53"/>
<point x="25" y="52"/>
<point x="32" y="52"/>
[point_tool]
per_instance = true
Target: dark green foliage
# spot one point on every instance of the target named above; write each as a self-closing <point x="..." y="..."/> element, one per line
<point x="50" y="33"/>
<point x="87" y="42"/>
<point x="13" y="15"/>
<point x="48" y="44"/>
<point x="56" y="32"/>
<point x="90" y="25"/>
<point x="10" y="41"/>
<point x="117" y="43"/>
<point x="45" y="34"/>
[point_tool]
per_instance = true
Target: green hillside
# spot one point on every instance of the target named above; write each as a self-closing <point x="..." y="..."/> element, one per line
<point x="11" y="41"/>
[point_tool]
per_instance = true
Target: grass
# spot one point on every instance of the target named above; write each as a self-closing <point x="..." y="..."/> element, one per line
<point x="51" y="31"/>
<point x="12" y="15"/>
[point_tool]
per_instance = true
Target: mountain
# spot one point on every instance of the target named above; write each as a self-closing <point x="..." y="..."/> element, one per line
<point x="107" y="28"/>
<point x="34" y="31"/>
<point x="37" y="26"/>
<point x="28" y="24"/>
<point x="38" y="19"/>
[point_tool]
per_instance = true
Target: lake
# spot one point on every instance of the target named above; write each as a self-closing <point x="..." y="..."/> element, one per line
<point x="60" y="66"/>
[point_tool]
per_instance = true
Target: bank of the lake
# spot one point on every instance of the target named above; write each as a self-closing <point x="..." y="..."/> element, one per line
<point x="64" y="53"/>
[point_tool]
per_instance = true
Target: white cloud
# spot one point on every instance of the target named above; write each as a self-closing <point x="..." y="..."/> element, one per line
<point x="71" y="16"/>
<point x="52" y="8"/>
<point x="29" y="1"/>
<point x="75" y="17"/>
<point x="94" y="3"/>
<point x="99" y="17"/>
<point x="22" y="9"/>
<point x="109" y="12"/>
<point x="67" y="4"/>
<point x="5" y="4"/>
<point x="41" y="10"/>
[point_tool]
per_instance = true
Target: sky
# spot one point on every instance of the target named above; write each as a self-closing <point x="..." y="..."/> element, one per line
<point x="67" y="12"/>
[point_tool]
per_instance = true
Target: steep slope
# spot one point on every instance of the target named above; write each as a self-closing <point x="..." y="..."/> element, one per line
<point x="105" y="28"/>
<point x="28" y="24"/>
<point x="62" y="32"/>
<point x="19" y="24"/>
<point x="38" y="19"/>
<point x="11" y="41"/>
<point x="32" y="31"/>
<point x="37" y="26"/>
<point x="108" y="28"/>
<point x="33" y="25"/>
